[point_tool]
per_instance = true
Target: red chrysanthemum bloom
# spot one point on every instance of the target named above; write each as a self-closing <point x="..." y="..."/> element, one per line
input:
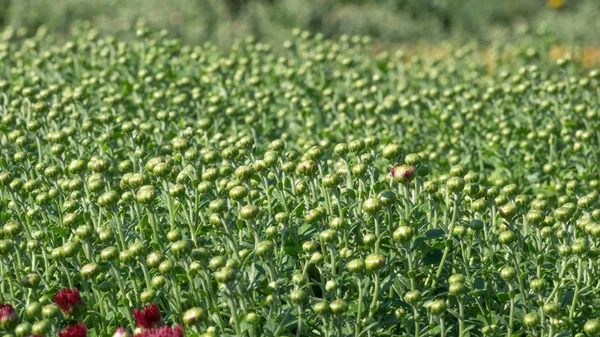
<point x="68" y="299"/>
<point x="8" y="316"/>
<point x="149" y="317"/>
<point x="164" y="331"/>
<point x="77" y="330"/>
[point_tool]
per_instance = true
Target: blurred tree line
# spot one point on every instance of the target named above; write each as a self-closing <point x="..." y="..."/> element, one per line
<point x="388" y="21"/>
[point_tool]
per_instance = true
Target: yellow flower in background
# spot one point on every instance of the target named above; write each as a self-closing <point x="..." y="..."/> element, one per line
<point x="555" y="3"/>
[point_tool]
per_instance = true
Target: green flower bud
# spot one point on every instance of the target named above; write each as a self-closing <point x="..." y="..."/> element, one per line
<point x="592" y="327"/>
<point x="391" y="152"/>
<point x="154" y="259"/>
<point x="23" y="330"/>
<point x="550" y="309"/>
<point x="338" y="307"/>
<point x="238" y="193"/>
<point x="531" y="320"/>
<point x="321" y="308"/>
<point x="356" y="146"/>
<point x="508" y="211"/>
<point x="31" y="280"/>
<point x="249" y="212"/>
<point x="356" y="266"/>
<point x="146" y="194"/>
<point x="455" y="184"/>
<point x="457" y="289"/>
<point x="50" y="311"/>
<point x="374" y="262"/>
<point x="456" y="278"/>
<point x="508" y="273"/>
<point x="264" y="249"/>
<point x="458" y="171"/>
<point x="166" y="267"/>
<point x="89" y="271"/>
<point x="298" y="296"/>
<point x="507" y="237"/>
<point x="41" y="327"/>
<point x="225" y="275"/>
<point x="412" y="297"/>
<point x="371" y="206"/>
<point x="194" y="315"/>
<point x="403" y="234"/>
<point x="147" y="296"/>
<point x="33" y="309"/>
<point x="181" y="247"/>
<point x="341" y="149"/>
<point x="158" y="281"/>
<point x="438" y="307"/>
<point x="329" y="235"/>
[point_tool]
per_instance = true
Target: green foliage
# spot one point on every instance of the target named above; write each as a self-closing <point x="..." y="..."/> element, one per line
<point x="317" y="189"/>
<point x="388" y="21"/>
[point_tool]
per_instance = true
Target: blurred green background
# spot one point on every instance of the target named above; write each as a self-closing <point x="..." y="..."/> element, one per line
<point x="387" y="21"/>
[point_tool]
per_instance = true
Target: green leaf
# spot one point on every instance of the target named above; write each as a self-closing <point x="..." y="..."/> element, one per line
<point x="434" y="234"/>
<point x="299" y="210"/>
<point x="64" y="232"/>
<point x="387" y="283"/>
<point x="503" y="297"/>
<point x="417" y="242"/>
<point x="567" y="298"/>
<point x="432" y="257"/>
<point x="478" y="283"/>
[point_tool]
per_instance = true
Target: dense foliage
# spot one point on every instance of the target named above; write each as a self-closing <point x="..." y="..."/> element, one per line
<point x="387" y="21"/>
<point x="167" y="190"/>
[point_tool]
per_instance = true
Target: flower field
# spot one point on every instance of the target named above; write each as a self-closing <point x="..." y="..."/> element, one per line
<point x="317" y="188"/>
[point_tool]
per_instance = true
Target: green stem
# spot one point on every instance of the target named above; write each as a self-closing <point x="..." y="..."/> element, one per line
<point x="359" y="306"/>
<point x="448" y="240"/>
<point x="511" y="314"/>
<point x="461" y="318"/>
<point x="576" y="293"/>
<point x="374" y="304"/>
<point x="299" y="326"/>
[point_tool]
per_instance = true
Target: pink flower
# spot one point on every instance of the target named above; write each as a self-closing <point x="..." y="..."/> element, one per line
<point x="149" y="317"/>
<point x="68" y="299"/>
<point x="121" y="332"/>
<point x="164" y="331"/>
<point x="77" y="330"/>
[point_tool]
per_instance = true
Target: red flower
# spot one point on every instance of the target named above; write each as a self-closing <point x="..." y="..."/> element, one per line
<point x="8" y="316"/>
<point x="164" y="331"/>
<point x="149" y="317"/>
<point x="77" y="330"/>
<point x="68" y="299"/>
